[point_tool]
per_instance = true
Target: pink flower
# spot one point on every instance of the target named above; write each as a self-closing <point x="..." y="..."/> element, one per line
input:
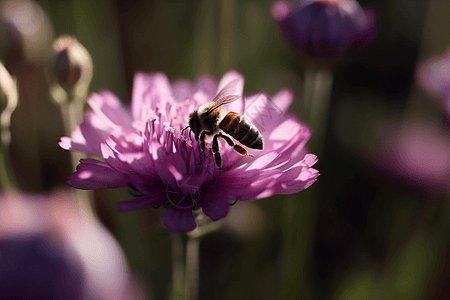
<point x="144" y="149"/>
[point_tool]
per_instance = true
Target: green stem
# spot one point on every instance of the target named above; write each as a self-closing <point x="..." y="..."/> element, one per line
<point x="300" y="214"/>
<point x="5" y="170"/>
<point x="320" y="102"/>
<point x="72" y="115"/>
<point x="177" y="265"/>
<point x="192" y="269"/>
<point x="308" y="93"/>
<point x="298" y="236"/>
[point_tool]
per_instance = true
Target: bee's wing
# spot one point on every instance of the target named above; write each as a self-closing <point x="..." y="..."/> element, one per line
<point x="225" y="96"/>
<point x="229" y="89"/>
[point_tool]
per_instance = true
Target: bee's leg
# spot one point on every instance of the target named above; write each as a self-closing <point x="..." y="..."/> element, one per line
<point x="236" y="148"/>
<point x="217" y="156"/>
<point x="202" y="140"/>
<point x="184" y="129"/>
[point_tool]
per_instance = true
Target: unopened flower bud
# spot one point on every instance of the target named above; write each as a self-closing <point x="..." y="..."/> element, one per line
<point x="67" y="71"/>
<point x="71" y="65"/>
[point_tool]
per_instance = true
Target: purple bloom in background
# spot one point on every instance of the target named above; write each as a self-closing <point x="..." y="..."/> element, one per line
<point x="415" y="152"/>
<point x="325" y="31"/>
<point x="34" y="262"/>
<point x="35" y="267"/>
<point x="433" y="76"/>
<point x="51" y="249"/>
<point x="144" y="149"/>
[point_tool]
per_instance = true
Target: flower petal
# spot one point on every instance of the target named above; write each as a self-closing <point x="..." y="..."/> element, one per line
<point x="286" y="132"/>
<point x="178" y="219"/>
<point x="150" y="91"/>
<point x="111" y="111"/>
<point x="93" y="174"/>
<point x="76" y="142"/>
<point x="298" y="177"/>
<point x="263" y="161"/>
<point x="215" y="201"/>
<point x="140" y="86"/>
<point x="207" y="85"/>
<point x="245" y="185"/>
<point x="283" y="99"/>
<point x="87" y="137"/>
<point x="137" y="163"/>
<point x="94" y="132"/>
<point x="141" y="203"/>
<point x="182" y="89"/>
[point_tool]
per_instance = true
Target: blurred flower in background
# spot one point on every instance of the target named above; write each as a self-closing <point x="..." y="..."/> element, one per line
<point x="36" y="261"/>
<point x="325" y="32"/>
<point x="50" y="249"/>
<point x="146" y="151"/>
<point x="433" y="76"/>
<point x="25" y="31"/>
<point x="414" y="151"/>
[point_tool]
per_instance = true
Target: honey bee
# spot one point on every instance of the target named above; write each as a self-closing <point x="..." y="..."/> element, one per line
<point x="211" y="119"/>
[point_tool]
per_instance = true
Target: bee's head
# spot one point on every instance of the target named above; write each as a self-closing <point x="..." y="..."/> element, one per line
<point x="194" y="123"/>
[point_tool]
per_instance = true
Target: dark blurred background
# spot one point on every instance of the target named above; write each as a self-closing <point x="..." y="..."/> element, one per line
<point x="370" y="234"/>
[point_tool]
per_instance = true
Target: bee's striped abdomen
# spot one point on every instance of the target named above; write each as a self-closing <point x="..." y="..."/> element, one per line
<point x="242" y="130"/>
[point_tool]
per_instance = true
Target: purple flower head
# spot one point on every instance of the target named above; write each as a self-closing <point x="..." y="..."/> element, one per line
<point x="325" y="31"/>
<point x="433" y="76"/>
<point x="144" y="149"/>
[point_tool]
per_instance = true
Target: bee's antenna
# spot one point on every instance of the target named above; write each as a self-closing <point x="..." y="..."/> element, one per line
<point x="184" y="129"/>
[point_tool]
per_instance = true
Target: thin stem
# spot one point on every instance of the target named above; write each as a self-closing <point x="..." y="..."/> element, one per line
<point x="5" y="170"/>
<point x="177" y="265"/>
<point x="72" y="114"/>
<point x="298" y="234"/>
<point x="308" y="93"/>
<point x="300" y="214"/>
<point x="192" y="269"/>
<point x="320" y="102"/>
